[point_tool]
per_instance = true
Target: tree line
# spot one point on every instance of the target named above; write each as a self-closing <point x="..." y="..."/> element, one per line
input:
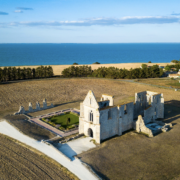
<point x="13" y="73"/>
<point x="169" y="67"/>
<point x="113" y="73"/>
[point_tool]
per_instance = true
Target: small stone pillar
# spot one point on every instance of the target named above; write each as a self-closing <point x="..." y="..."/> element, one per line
<point x="21" y="110"/>
<point x="44" y="104"/>
<point x="30" y="107"/>
<point x="38" y="106"/>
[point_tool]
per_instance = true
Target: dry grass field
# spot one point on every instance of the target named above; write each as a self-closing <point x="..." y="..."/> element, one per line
<point x="61" y="91"/>
<point x="17" y="162"/>
<point x="161" y="82"/>
<point x="130" y="156"/>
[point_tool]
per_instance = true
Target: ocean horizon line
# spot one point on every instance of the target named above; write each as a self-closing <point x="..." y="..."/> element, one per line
<point x="97" y="43"/>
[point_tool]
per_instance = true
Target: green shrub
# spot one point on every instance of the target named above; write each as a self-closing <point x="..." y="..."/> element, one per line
<point x="61" y="128"/>
<point x="43" y="119"/>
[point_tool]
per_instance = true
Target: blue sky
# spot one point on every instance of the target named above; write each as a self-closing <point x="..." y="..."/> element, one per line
<point x="89" y="21"/>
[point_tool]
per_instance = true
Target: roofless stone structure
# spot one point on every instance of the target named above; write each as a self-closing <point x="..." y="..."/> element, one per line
<point x="102" y="120"/>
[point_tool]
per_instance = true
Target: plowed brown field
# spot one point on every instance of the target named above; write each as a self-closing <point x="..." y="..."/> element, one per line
<point x="17" y="162"/>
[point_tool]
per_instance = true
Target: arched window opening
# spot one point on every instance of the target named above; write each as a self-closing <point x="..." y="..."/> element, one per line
<point x="90" y="132"/>
<point x="90" y="100"/>
<point x="91" y="116"/>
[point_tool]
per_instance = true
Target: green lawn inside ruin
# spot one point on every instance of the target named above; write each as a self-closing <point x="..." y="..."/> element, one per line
<point x="62" y="120"/>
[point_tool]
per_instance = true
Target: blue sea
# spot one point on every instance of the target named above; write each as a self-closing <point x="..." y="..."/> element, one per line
<point x="59" y="54"/>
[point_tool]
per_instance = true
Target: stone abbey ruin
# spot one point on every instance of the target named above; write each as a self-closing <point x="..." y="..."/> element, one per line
<point x="102" y="120"/>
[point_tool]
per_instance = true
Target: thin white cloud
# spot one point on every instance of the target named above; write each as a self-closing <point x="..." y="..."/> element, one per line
<point x="24" y="8"/>
<point x="103" y="21"/>
<point x="18" y="11"/>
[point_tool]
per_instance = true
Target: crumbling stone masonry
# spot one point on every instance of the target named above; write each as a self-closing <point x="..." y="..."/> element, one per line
<point x="38" y="108"/>
<point x="102" y="120"/>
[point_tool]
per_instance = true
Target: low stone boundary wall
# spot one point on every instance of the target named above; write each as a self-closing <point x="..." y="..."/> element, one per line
<point x="31" y="110"/>
<point x="70" y="139"/>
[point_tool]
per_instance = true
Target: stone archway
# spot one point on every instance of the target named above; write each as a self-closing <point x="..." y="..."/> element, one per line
<point x="90" y="132"/>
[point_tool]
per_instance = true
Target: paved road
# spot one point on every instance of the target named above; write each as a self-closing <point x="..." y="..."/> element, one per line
<point x="54" y="130"/>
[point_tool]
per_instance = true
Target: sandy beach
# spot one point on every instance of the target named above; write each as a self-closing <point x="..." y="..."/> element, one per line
<point x="59" y="68"/>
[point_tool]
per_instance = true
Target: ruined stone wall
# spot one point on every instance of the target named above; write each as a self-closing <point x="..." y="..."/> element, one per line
<point x="140" y="127"/>
<point x="140" y="104"/>
<point x="149" y="115"/>
<point x="103" y="104"/>
<point x="158" y="104"/>
<point x="126" y="117"/>
<point x="109" y="121"/>
<point x="109" y="126"/>
<point x="108" y="97"/>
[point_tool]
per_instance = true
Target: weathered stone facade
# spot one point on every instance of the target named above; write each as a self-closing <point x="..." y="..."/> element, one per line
<point x="102" y="120"/>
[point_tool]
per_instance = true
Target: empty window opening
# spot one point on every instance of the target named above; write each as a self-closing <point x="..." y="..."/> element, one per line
<point x="90" y="100"/>
<point x="109" y="114"/>
<point x="155" y="112"/>
<point x="125" y="109"/>
<point x="149" y="100"/>
<point x="120" y="115"/>
<point x="91" y="116"/>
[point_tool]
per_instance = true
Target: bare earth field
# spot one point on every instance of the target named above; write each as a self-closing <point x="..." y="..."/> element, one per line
<point x="17" y="162"/>
<point x="131" y="156"/>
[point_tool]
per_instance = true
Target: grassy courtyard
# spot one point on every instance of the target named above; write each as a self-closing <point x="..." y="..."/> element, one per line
<point x="67" y="121"/>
